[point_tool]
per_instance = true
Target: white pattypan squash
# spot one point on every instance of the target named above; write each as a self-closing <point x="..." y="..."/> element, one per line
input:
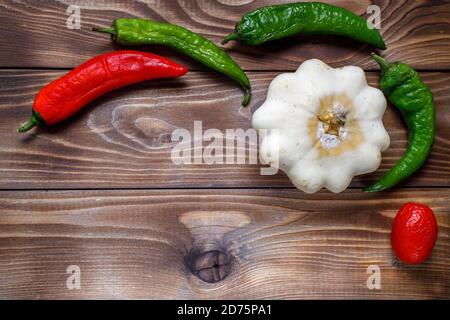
<point x="328" y="125"/>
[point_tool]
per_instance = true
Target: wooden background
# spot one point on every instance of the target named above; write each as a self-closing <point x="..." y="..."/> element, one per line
<point x="100" y="191"/>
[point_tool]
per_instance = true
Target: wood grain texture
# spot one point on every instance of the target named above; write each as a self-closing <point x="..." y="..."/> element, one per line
<point x="123" y="139"/>
<point x="282" y="244"/>
<point x="278" y="243"/>
<point x="34" y="34"/>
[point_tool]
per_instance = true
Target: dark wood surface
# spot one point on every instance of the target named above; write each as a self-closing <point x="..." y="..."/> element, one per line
<point x="100" y="191"/>
<point x="122" y="140"/>
<point x="33" y="32"/>
<point x="284" y="244"/>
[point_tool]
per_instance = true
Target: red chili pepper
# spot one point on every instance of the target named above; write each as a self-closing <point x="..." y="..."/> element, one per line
<point x="65" y="96"/>
<point x="414" y="233"/>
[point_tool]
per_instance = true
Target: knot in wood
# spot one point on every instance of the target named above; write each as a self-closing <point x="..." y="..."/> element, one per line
<point x="210" y="266"/>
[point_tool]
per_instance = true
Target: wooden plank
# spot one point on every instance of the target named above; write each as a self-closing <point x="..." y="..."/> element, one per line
<point x="34" y="33"/>
<point x="123" y="139"/>
<point x="281" y="243"/>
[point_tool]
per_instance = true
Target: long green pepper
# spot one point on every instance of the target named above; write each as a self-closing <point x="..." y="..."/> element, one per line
<point x="406" y="91"/>
<point x="309" y="18"/>
<point x="144" y="32"/>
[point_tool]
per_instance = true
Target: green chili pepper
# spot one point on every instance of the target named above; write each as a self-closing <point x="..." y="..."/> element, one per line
<point x="406" y="91"/>
<point x="141" y="32"/>
<point x="284" y="20"/>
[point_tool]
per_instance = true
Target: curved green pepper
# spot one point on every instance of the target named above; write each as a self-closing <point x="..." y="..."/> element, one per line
<point x="406" y="91"/>
<point x="284" y="20"/>
<point x="142" y="32"/>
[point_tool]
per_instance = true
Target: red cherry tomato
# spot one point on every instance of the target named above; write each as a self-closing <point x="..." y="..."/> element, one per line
<point x="414" y="233"/>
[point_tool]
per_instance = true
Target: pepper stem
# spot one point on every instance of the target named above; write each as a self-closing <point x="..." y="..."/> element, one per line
<point x="232" y="36"/>
<point x="247" y="97"/>
<point x="104" y="30"/>
<point x="384" y="64"/>
<point x="376" y="187"/>
<point x="34" y="121"/>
